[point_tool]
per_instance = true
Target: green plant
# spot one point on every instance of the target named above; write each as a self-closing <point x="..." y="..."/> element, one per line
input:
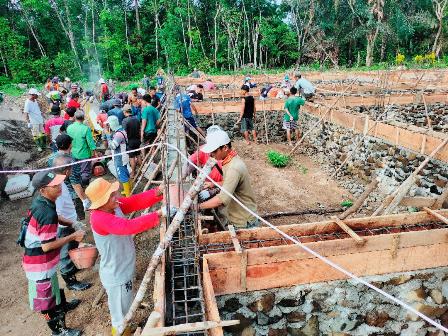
<point x="347" y="203"/>
<point x="419" y="59"/>
<point x="277" y="159"/>
<point x="430" y="58"/>
<point x="399" y="59"/>
<point x="303" y="170"/>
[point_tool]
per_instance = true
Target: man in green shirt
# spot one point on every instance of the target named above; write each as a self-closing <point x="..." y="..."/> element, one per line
<point x="292" y="107"/>
<point x="236" y="182"/>
<point x="150" y="121"/>
<point x="83" y="146"/>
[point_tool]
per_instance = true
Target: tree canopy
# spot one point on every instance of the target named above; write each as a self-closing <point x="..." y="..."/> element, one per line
<point x="124" y="38"/>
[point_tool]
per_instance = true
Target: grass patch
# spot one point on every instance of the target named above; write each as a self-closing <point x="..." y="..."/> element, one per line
<point x="302" y="169"/>
<point x="12" y="90"/>
<point x="278" y="159"/>
<point x="347" y="203"/>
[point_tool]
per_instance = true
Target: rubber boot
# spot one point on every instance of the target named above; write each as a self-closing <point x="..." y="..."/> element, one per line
<point x="126" y="332"/>
<point x="70" y="305"/>
<point x="126" y="189"/>
<point x="43" y="141"/>
<point x="73" y="284"/>
<point x="58" y="328"/>
<point x="37" y="142"/>
<point x="131" y="183"/>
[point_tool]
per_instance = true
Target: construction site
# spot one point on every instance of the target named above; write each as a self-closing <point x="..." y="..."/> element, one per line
<point x="378" y="139"/>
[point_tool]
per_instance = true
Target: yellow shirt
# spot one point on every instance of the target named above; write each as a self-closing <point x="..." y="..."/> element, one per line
<point x="237" y="182"/>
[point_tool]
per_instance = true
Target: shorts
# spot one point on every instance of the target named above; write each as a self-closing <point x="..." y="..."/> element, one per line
<point x="122" y="173"/>
<point x="133" y="144"/>
<point x="44" y="294"/>
<point x="247" y="124"/>
<point x="148" y="138"/>
<point x="289" y="125"/>
<point x="37" y="130"/>
<point x="192" y="121"/>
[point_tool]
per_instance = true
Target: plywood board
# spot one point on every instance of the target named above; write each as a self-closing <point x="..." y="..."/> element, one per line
<point x="211" y="307"/>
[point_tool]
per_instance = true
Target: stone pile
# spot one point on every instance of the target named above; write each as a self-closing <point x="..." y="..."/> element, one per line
<point x="341" y="308"/>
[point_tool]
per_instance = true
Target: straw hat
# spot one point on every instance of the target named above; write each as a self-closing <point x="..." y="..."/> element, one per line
<point x="99" y="192"/>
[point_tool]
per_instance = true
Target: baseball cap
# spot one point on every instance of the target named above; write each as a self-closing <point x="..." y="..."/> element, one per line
<point x="127" y="107"/>
<point x="63" y="141"/>
<point x="215" y="140"/>
<point x="74" y="86"/>
<point x="213" y="128"/>
<point x="101" y="81"/>
<point x="47" y="179"/>
<point x="33" y="91"/>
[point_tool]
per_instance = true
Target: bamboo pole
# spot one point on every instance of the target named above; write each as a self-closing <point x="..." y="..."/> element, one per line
<point x="407" y="184"/>
<point x="358" y="203"/>
<point x="312" y="128"/>
<point x="174" y="226"/>
<point x="436" y="215"/>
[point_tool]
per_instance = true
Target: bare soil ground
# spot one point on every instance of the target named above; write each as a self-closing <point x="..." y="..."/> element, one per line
<point x="300" y="186"/>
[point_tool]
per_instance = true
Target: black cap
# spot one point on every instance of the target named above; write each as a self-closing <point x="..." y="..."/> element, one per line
<point x="63" y="141"/>
<point x="47" y="178"/>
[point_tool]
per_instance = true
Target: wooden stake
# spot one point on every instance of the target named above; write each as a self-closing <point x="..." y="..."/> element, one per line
<point x="358" y="203"/>
<point x="236" y="243"/>
<point x="407" y="184"/>
<point x="349" y="231"/>
<point x="439" y="203"/>
<point x="174" y="226"/>
<point x="265" y="124"/>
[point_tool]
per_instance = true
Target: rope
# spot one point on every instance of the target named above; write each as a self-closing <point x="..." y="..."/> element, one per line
<point x="276" y="229"/>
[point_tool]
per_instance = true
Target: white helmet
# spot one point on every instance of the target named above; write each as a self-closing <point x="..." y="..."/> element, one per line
<point x="101" y="81"/>
<point x="33" y="91"/>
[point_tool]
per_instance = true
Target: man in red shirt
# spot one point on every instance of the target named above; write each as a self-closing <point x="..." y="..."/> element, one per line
<point x="104" y="93"/>
<point x="74" y="102"/>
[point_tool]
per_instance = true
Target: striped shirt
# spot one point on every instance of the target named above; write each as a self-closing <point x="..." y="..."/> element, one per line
<point x="43" y="226"/>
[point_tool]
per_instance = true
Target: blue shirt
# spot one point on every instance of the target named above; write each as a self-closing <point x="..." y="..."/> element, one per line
<point x="183" y="102"/>
<point x="118" y="112"/>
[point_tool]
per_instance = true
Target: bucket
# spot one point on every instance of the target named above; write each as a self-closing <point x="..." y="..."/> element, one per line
<point x="84" y="257"/>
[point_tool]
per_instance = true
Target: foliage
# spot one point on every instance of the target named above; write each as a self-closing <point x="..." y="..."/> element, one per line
<point x="347" y="203"/>
<point x="87" y="39"/>
<point x="399" y="59"/>
<point x="278" y="159"/>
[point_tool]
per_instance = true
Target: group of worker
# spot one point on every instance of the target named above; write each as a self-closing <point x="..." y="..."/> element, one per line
<point x="66" y="192"/>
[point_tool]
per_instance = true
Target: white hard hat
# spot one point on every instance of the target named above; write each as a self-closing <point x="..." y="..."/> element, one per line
<point x="113" y="122"/>
<point x="33" y="91"/>
<point x="213" y="128"/>
<point x="101" y="81"/>
<point x="215" y="140"/>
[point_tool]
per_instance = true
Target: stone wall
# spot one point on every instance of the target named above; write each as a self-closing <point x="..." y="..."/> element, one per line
<point x="227" y="122"/>
<point x="341" y="307"/>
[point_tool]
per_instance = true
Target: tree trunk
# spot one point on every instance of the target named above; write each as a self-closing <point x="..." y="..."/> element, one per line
<point x="4" y="62"/>
<point x="439" y="9"/>
<point x="126" y="33"/>
<point x="30" y="26"/>
<point x="93" y="38"/>
<point x="137" y="17"/>
<point x="215" y="36"/>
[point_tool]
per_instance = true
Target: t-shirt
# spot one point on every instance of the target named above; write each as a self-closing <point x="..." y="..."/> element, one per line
<point x="113" y="236"/>
<point x="82" y="141"/>
<point x="200" y="158"/>
<point x="101" y="118"/>
<point x="197" y="96"/>
<point x="131" y="125"/>
<point x="183" y="102"/>
<point x="292" y="104"/>
<point x="33" y="110"/>
<point x="74" y="103"/>
<point x="118" y="112"/>
<point x="52" y="127"/>
<point x="208" y="86"/>
<point x="305" y="85"/>
<point x="42" y="229"/>
<point x="249" y="106"/>
<point x="65" y="206"/>
<point x="237" y="182"/>
<point x="118" y="145"/>
<point x="151" y="115"/>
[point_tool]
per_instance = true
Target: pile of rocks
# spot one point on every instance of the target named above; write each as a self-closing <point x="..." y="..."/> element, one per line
<point x="341" y="307"/>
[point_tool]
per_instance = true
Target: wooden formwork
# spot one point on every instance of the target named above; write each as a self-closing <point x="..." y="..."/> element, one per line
<point x="286" y="265"/>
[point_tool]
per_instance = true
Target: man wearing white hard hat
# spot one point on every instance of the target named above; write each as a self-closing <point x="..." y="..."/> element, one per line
<point x="35" y="119"/>
<point x="236" y="182"/>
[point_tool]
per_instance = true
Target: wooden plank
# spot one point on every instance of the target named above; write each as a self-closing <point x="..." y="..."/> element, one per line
<point x="274" y="254"/>
<point x="303" y="271"/>
<point x="211" y="307"/>
<point x="189" y="327"/>
<point x="436" y="215"/>
<point x="418" y="202"/>
<point x="159" y="284"/>
<point x="322" y="227"/>
<point x="349" y="231"/>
